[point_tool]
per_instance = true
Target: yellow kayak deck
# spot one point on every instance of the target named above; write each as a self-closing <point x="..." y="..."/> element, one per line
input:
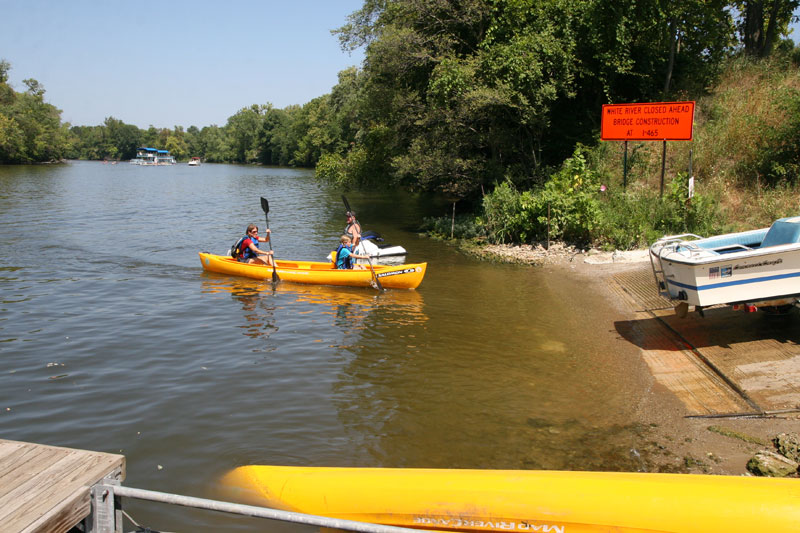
<point x="318" y="273"/>
<point x="525" y="500"/>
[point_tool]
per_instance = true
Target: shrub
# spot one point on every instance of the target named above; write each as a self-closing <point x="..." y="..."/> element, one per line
<point x="501" y="212"/>
<point x="465" y="227"/>
<point x="564" y="208"/>
<point x="636" y="219"/>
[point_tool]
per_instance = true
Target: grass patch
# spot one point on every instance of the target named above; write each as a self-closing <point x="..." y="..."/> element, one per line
<point x="736" y="435"/>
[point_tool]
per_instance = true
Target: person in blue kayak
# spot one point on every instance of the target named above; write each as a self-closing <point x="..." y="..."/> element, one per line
<point x="249" y="247"/>
<point x="345" y="255"/>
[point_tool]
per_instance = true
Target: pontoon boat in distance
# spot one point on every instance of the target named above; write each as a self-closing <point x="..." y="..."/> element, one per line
<point x="152" y="157"/>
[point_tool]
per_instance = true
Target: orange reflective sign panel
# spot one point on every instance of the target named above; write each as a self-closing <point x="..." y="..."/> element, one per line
<point x="668" y="121"/>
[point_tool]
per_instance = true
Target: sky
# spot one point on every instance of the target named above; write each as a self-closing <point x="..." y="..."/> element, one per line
<point x="174" y="62"/>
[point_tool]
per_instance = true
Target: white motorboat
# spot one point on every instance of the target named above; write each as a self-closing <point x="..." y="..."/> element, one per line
<point x="751" y="269"/>
<point x="194" y="162"/>
<point x="372" y="244"/>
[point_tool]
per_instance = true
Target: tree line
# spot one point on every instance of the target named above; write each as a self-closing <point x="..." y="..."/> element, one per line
<point x="31" y="131"/>
<point x="453" y="96"/>
<point x="459" y="96"/>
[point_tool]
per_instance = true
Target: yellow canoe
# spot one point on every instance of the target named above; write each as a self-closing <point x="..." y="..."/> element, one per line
<point x="525" y="500"/>
<point x="318" y="273"/>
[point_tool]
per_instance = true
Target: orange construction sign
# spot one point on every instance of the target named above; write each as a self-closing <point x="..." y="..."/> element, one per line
<point x="667" y="121"/>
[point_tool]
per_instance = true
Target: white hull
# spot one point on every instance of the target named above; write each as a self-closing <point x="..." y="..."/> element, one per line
<point x="385" y="254"/>
<point x="737" y="268"/>
<point x="373" y="250"/>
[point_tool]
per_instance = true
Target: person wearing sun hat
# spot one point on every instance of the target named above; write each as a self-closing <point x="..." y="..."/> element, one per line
<point x="353" y="228"/>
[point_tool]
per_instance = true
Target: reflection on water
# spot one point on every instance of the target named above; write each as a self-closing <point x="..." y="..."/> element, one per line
<point x="258" y="314"/>
<point x="349" y="307"/>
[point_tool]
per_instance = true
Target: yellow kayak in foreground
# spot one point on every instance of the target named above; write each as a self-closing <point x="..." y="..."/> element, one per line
<point x="525" y="500"/>
<point x="318" y="273"/>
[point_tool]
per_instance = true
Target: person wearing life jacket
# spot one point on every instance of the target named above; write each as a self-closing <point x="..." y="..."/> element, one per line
<point x="249" y="247"/>
<point x="345" y="255"/>
<point x="353" y="228"/>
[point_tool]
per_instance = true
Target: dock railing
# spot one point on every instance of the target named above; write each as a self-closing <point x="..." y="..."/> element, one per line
<point x="106" y="514"/>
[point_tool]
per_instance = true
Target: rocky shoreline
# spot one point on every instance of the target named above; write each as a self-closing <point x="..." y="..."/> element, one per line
<point x="558" y="253"/>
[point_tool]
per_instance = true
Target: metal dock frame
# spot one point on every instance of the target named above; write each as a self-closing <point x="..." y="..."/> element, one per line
<point x="106" y="516"/>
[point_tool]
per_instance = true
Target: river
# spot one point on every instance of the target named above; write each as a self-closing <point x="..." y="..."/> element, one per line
<point x="112" y="338"/>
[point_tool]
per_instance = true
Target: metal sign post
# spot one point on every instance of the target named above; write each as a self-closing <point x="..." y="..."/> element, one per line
<point x="625" y="168"/>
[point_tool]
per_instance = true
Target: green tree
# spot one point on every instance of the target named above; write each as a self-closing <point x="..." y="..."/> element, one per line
<point x="30" y="128"/>
<point x="762" y="23"/>
<point x="150" y="137"/>
<point x="192" y="141"/>
<point x="124" y="138"/>
<point x="273" y="137"/>
<point x="243" y="130"/>
<point x="213" y="144"/>
<point x="176" y="144"/>
<point x="314" y="128"/>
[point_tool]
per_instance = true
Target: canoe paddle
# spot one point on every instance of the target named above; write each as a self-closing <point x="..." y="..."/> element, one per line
<point x="265" y="207"/>
<point x="374" y="275"/>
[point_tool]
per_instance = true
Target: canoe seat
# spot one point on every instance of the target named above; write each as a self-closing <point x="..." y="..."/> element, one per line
<point x="783" y="231"/>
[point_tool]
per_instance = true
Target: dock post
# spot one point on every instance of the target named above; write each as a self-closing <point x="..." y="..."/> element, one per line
<point x="106" y="515"/>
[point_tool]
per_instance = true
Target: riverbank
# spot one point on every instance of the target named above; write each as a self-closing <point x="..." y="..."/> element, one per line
<point x="558" y="253"/>
<point x="676" y="442"/>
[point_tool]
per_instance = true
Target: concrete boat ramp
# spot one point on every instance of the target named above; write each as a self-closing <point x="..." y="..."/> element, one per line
<point x="725" y="363"/>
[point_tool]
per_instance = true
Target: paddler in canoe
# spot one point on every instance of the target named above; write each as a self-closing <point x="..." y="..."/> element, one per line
<point x="247" y="247"/>
<point x="344" y="255"/>
<point x="353" y="227"/>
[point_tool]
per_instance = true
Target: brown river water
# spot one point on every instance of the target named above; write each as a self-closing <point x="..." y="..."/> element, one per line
<point x="112" y="338"/>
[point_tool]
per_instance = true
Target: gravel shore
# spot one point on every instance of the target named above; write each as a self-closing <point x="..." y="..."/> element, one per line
<point x="559" y="253"/>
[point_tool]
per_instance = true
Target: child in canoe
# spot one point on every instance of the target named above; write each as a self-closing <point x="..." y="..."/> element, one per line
<point x="345" y="255"/>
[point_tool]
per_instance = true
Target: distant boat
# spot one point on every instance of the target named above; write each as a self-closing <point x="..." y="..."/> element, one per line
<point x="152" y="157"/>
<point x="194" y="162"/>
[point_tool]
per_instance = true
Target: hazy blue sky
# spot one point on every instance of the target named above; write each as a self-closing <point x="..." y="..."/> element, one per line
<point x="174" y="62"/>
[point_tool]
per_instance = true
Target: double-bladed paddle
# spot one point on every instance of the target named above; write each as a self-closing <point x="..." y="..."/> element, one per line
<point x="369" y="261"/>
<point x="265" y="207"/>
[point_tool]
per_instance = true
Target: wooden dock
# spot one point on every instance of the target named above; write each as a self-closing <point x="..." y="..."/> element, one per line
<point x="47" y="488"/>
